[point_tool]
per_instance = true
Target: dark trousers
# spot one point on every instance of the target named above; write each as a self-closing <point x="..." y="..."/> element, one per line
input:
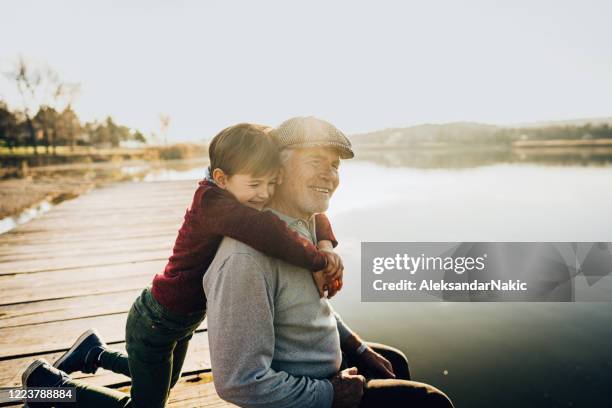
<point x="398" y="392"/>
<point x="156" y="344"/>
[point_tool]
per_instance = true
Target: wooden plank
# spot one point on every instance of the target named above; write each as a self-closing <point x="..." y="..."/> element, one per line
<point x="55" y="250"/>
<point x="64" y="252"/>
<point x="192" y="391"/>
<point x="17" y="238"/>
<point x="195" y="392"/>
<point x="67" y="308"/>
<point x="81" y="265"/>
<point x="198" y="359"/>
<point x="77" y="282"/>
<point x="59" y="335"/>
<point x="83" y="224"/>
<point x="46" y="337"/>
<point x="41" y="265"/>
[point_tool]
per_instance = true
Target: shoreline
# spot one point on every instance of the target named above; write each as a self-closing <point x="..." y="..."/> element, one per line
<point x="57" y="183"/>
<point x="19" y="195"/>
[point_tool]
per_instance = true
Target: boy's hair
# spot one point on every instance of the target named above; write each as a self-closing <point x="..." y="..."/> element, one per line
<point x="245" y="148"/>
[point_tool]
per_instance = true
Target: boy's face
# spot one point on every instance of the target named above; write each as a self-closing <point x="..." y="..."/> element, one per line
<point x="254" y="192"/>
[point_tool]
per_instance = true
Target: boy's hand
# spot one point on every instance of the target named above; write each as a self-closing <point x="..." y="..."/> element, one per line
<point x="333" y="272"/>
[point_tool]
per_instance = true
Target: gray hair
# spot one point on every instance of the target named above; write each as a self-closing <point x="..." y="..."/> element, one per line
<point x="285" y="155"/>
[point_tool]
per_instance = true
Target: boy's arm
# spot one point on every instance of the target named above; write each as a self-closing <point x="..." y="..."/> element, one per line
<point x="324" y="229"/>
<point x="223" y="215"/>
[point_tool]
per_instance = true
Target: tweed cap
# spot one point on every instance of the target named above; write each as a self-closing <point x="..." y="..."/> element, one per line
<point x="311" y="132"/>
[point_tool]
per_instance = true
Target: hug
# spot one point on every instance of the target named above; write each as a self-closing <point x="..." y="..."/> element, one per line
<point x="255" y="256"/>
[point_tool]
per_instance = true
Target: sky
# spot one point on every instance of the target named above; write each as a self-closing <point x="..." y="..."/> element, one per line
<point x="363" y="66"/>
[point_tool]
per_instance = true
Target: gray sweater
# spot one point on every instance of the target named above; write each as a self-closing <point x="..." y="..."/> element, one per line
<point x="273" y="341"/>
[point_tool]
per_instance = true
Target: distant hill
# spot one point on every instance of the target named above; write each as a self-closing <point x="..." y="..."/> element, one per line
<point x="571" y="122"/>
<point x="459" y="132"/>
<point x="471" y="133"/>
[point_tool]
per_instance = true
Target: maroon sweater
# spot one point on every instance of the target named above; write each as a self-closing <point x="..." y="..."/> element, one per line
<point x="213" y="214"/>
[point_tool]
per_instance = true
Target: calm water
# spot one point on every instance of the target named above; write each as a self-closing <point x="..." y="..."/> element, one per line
<point x="483" y="355"/>
<point x="486" y="354"/>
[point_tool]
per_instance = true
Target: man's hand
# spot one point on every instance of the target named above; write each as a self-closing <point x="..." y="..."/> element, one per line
<point x="348" y="388"/>
<point x="333" y="272"/>
<point x="320" y="281"/>
<point x="376" y="364"/>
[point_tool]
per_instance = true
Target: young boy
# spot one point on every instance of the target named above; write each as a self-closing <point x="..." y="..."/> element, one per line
<point x="244" y="163"/>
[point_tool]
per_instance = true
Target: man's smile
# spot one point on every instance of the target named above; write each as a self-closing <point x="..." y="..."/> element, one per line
<point x="320" y="189"/>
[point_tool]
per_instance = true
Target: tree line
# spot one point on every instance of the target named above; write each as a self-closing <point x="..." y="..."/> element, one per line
<point x="466" y="134"/>
<point x="45" y="117"/>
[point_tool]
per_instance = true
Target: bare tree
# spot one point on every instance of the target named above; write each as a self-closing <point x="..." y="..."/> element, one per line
<point x="164" y="124"/>
<point x="57" y="96"/>
<point x="8" y="126"/>
<point x="28" y="82"/>
<point x="42" y="90"/>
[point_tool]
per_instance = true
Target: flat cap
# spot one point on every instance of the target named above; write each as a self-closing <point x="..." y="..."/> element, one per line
<point x="311" y="132"/>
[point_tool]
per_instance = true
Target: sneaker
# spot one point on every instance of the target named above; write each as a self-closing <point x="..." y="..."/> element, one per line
<point x="83" y="355"/>
<point x="42" y="374"/>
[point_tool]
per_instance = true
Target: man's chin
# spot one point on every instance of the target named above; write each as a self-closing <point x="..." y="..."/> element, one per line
<point x="316" y="208"/>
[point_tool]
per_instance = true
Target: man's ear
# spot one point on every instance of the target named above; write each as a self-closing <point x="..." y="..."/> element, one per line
<point x="220" y="178"/>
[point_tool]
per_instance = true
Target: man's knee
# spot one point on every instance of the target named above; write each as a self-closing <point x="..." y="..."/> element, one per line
<point x="437" y="399"/>
<point x="398" y="393"/>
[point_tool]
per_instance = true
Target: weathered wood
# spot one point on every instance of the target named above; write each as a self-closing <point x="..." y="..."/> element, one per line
<point x="59" y="335"/>
<point x="77" y="282"/>
<point x="196" y="391"/>
<point x="55" y="250"/>
<point x="19" y="238"/>
<point x="41" y="265"/>
<point x="67" y="308"/>
<point x="192" y="391"/>
<point x="197" y="360"/>
<point x="81" y="265"/>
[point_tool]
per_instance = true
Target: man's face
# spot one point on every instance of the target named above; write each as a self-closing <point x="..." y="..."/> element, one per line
<point x="310" y="177"/>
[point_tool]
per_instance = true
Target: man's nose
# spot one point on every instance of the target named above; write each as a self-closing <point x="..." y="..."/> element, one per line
<point x="329" y="173"/>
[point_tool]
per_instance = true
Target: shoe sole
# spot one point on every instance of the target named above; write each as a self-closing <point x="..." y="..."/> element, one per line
<point x="30" y="370"/>
<point x="76" y="344"/>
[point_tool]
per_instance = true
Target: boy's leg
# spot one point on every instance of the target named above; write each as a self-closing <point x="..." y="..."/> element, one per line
<point x="152" y="344"/>
<point x="180" y="351"/>
<point x="42" y="374"/>
<point x="93" y="396"/>
<point x="150" y="347"/>
<point x="115" y="361"/>
<point x="151" y="369"/>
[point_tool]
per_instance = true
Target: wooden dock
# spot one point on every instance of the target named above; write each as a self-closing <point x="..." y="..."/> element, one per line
<point x="80" y="266"/>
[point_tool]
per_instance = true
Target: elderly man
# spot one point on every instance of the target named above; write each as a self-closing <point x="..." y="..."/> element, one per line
<point x="274" y="342"/>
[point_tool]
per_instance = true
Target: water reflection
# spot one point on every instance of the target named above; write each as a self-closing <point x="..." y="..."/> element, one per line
<point x="475" y="156"/>
<point x="502" y="355"/>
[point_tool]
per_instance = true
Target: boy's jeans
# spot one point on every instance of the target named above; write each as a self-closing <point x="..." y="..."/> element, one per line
<point x="156" y="344"/>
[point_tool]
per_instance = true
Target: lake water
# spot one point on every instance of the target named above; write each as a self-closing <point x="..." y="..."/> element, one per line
<point x="480" y="354"/>
<point x="483" y="354"/>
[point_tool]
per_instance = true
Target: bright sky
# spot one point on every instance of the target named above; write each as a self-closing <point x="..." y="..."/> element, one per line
<point x="361" y="65"/>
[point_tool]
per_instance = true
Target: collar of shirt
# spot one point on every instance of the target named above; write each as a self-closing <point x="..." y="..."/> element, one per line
<point x="305" y="228"/>
<point x="208" y="175"/>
